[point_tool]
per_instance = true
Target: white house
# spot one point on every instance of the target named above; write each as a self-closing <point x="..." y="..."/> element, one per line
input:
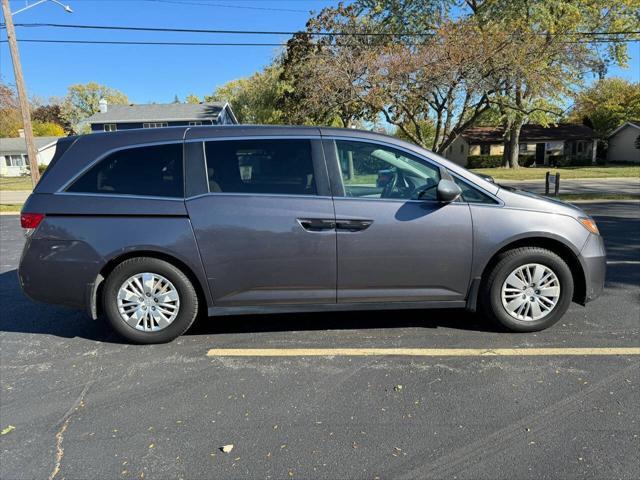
<point x="622" y="143"/>
<point x="14" y="160"/>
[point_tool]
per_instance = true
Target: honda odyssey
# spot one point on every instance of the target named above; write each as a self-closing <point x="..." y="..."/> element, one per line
<point x="151" y="227"/>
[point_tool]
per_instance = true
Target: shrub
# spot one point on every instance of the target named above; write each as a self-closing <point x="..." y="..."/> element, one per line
<point x="484" y="161"/>
<point x="526" y="160"/>
<point x="42" y="168"/>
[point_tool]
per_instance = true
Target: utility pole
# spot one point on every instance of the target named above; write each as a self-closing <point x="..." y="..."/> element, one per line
<point x="22" y="93"/>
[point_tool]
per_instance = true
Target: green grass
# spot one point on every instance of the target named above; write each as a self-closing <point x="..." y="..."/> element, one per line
<point x="15" y="183"/>
<point x="570" y="197"/>
<point x="11" y="208"/>
<point x="565" y="173"/>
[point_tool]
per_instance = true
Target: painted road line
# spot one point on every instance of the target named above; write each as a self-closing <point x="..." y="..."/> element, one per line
<point x="418" y="352"/>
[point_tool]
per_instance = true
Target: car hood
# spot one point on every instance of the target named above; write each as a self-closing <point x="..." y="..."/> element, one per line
<point x="516" y="198"/>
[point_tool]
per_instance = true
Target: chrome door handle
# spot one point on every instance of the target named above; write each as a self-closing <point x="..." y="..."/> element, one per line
<point x="353" y="225"/>
<point x="317" y="224"/>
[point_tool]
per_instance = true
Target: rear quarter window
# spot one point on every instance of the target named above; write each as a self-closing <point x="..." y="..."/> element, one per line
<point x="148" y="171"/>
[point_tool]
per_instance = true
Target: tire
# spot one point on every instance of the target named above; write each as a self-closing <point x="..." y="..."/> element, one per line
<point x="526" y="303"/>
<point x="177" y="315"/>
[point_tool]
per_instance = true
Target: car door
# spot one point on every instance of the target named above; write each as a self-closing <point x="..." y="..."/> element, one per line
<point x="265" y="225"/>
<point x="396" y="242"/>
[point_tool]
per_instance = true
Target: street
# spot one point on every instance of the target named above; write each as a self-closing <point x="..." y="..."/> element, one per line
<point x="83" y="404"/>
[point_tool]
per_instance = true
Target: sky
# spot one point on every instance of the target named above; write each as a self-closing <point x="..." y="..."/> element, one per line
<point x="158" y="73"/>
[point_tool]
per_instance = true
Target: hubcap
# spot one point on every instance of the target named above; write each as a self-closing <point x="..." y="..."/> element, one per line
<point x="530" y="292"/>
<point x="148" y="302"/>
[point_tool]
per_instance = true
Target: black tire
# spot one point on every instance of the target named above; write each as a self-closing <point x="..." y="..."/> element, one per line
<point x="507" y="262"/>
<point x="188" y="309"/>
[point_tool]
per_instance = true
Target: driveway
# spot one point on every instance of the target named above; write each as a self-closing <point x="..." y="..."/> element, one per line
<point x="82" y="404"/>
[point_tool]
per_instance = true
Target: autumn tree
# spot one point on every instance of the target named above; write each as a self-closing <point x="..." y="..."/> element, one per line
<point x="82" y="101"/>
<point x="607" y="104"/>
<point x="192" y="98"/>
<point x="253" y="99"/>
<point x="10" y="119"/>
<point x="51" y="113"/>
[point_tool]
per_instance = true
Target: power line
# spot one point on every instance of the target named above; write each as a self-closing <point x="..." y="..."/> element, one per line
<point x="221" y="5"/>
<point x="280" y="32"/>
<point x="226" y="44"/>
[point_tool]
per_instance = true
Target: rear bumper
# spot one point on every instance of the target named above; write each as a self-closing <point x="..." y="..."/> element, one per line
<point x="594" y="262"/>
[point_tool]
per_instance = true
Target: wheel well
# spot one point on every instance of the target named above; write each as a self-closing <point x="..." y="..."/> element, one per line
<point x="114" y="262"/>
<point x="560" y="249"/>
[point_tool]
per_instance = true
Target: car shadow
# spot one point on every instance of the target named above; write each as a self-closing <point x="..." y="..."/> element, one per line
<point x="22" y="315"/>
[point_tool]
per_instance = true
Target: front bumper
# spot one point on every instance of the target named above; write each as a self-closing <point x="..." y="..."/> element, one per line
<point x="594" y="262"/>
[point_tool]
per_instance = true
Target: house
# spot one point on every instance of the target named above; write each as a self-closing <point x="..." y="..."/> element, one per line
<point x="155" y="115"/>
<point x="622" y="143"/>
<point x="14" y="160"/>
<point x="542" y="144"/>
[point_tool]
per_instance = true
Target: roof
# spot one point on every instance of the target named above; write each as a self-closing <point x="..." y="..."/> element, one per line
<point x="630" y="123"/>
<point x="156" y="112"/>
<point x="18" y="145"/>
<point x="531" y="133"/>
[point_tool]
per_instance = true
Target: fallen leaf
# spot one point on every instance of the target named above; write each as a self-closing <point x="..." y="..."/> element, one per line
<point x="227" y="448"/>
<point x="9" y="429"/>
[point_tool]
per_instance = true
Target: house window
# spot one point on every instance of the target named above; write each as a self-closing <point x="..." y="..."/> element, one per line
<point x="110" y="127"/>
<point x="194" y="124"/>
<point x="523" y="148"/>
<point x="485" y="149"/>
<point x="16" y="160"/>
<point x="155" y="125"/>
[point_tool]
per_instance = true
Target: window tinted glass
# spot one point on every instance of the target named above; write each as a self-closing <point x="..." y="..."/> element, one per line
<point x="261" y="166"/>
<point x="153" y="171"/>
<point x="375" y="171"/>
<point x="471" y="194"/>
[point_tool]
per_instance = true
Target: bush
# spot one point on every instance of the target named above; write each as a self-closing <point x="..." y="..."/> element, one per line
<point x="42" y="168"/>
<point x="484" y="161"/>
<point x="526" y="160"/>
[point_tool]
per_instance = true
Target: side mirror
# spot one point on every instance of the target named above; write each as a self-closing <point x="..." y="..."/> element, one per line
<point x="448" y="191"/>
<point x="488" y="178"/>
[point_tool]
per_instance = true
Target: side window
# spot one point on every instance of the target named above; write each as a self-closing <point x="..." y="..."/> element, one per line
<point x="261" y="166"/>
<point x="375" y="171"/>
<point x="471" y="194"/>
<point x="151" y="171"/>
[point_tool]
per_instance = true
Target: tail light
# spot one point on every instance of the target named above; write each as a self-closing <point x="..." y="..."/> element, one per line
<point x="30" y="221"/>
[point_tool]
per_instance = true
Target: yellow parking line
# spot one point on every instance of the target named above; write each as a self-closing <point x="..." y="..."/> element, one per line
<point x="417" y="352"/>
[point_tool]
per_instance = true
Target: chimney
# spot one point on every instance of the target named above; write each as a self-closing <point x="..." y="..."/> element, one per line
<point x="21" y="132"/>
<point x="103" y="105"/>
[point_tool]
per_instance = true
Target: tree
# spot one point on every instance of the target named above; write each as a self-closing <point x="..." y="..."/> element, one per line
<point x="191" y="98"/>
<point x="253" y="99"/>
<point x="47" y="129"/>
<point x="176" y="99"/>
<point x="82" y="101"/>
<point x="10" y="118"/>
<point x="607" y="104"/>
<point x="51" y="113"/>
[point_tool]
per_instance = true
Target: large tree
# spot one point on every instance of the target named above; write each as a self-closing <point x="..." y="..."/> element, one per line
<point x="253" y="99"/>
<point x="607" y="104"/>
<point x="10" y="119"/>
<point x="83" y="100"/>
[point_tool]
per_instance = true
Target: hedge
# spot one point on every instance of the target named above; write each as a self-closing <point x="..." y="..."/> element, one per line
<point x="484" y="161"/>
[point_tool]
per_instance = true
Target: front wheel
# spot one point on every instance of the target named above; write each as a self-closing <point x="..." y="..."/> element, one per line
<point x="148" y="300"/>
<point x="528" y="289"/>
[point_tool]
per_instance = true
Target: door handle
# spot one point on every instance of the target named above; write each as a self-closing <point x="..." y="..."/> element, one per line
<point x="353" y="225"/>
<point x="317" y="224"/>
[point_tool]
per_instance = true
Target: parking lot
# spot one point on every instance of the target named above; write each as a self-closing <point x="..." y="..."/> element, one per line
<point x="77" y="402"/>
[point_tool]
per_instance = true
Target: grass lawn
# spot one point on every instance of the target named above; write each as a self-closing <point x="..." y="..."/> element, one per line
<point x="570" y="197"/>
<point x="565" y="173"/>
<point x="11" y="208"/>
<point x="15" y="183"/>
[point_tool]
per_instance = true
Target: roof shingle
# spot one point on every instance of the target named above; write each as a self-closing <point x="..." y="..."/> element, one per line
<point x="531" y="133"/>
<point x="18" y="145"/>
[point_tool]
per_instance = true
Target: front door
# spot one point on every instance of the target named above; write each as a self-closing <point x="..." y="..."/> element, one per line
<point x="396" y="242"/>
<point x="265" y="229"/>
<point x="540" y="151"/>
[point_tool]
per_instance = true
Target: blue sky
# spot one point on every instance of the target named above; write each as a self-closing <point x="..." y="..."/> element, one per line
<point x="157" y="73"/>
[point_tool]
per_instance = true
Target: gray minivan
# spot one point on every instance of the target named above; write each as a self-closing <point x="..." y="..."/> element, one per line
<point x="152" y="227"/>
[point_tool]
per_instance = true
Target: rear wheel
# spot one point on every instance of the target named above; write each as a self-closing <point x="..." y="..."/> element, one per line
<point x="148" y="300"/>
<point x="528" y="289"/>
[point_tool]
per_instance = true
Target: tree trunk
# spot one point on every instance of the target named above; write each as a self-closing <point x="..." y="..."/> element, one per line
<point x="506" y="155"/>
<point x="514" y="142"/>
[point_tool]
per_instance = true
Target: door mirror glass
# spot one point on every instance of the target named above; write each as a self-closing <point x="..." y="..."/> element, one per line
<point x="448" y="191"/>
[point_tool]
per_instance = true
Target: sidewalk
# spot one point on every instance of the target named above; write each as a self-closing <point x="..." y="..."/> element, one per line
<point x="624" y="186"/>
<point x="11" y="197"/>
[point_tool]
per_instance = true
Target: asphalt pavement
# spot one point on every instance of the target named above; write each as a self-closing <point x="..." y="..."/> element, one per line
<point x="77" y="403"/>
